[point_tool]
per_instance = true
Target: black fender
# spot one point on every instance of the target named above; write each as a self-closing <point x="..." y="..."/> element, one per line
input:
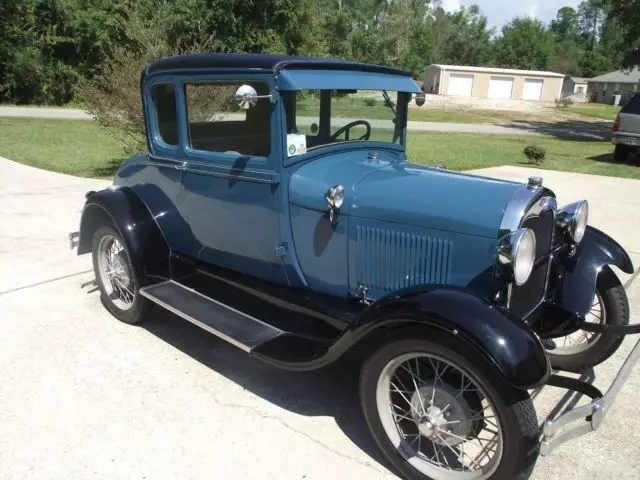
<point x="505" y="339"/>
<point x="125" y="210"/>
<point x="578" y="281"/>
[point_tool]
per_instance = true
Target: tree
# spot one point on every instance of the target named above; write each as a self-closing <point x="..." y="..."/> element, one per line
<point x="566" y="26"/>
<point x="627" y="15"/>
<point x="525" y="43"/>
<point x="462" y="37"/>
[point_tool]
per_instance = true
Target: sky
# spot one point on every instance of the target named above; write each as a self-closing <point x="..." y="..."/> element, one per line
<point x="499" y="12"/>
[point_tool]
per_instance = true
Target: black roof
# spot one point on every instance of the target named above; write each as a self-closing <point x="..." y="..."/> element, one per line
<point x="263" y="61"/>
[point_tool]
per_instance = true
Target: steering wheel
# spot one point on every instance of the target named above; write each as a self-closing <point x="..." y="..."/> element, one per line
<point x="348" y="127"/>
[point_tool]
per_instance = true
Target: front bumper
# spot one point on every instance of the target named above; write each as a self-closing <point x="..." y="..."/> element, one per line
<point x="574" y="422"/>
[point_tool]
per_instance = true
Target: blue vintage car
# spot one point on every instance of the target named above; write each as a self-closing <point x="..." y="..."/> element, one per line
<point x="276" y="209"/>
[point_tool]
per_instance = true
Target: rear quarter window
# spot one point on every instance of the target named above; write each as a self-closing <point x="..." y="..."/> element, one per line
<point x="632" y="106"/>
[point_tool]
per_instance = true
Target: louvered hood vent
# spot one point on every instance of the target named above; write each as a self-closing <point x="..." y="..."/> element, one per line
<point x="389" y="260"/>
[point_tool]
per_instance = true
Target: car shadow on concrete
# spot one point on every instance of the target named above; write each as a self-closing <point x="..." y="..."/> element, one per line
<point x="331" y="391"/>
<point x="565" y="129"/>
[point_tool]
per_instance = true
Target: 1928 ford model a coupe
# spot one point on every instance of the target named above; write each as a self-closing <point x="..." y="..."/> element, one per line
<point x="276" y="209"/>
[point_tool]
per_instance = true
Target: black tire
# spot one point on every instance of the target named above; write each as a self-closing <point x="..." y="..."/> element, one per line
<point x="621" y="153"/>
<point x="616" y="312"/>
<point x="513" y="407"/>
<point x="138" y="311"/>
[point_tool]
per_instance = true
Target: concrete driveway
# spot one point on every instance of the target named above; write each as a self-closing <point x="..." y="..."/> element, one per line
<point x="84" y="396"/>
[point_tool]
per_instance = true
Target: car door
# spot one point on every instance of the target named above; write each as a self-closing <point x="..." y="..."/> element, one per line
<point x="230" y="183"/>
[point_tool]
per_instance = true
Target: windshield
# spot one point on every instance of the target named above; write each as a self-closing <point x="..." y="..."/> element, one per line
<point x="326" y="117"/>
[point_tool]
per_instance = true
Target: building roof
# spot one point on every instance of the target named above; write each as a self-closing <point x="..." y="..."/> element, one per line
<point x="509" y="71"/>
<point x="263" y="61"/>
<point x="620" y="76"/>
<point x="578" y="79"/>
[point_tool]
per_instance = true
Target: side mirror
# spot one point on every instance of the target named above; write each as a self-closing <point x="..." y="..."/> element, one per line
<point x="247" y="97"/>
<point x="420" y="99"/>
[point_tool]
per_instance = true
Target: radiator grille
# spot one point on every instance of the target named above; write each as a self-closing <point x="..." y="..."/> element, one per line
<point x="526" y="298"/>
<point x="389" y="260"/>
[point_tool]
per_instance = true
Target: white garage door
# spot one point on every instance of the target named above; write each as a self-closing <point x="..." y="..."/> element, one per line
<point x="532" y="89"/>
<point x="460" y="85"/>
<point x="500" y="87"/>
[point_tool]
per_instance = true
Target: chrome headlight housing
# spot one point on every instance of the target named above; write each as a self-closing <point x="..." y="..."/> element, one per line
<point x="518" y="250"/>
<point x="573" y="219"/>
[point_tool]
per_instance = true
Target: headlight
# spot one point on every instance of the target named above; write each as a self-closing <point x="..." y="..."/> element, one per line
<point x="518" y="249"/>
<point x="335" y="196"/>
<point x="573" y="219"/>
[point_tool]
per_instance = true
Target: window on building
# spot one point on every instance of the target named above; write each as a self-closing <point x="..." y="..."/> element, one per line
<point x="163" y="96"/>
<point x="604" y="87"/>
<point x="580" y="89"/>
<point x="217" y="124"/>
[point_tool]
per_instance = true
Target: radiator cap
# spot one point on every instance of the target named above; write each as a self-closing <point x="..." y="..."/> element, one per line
<point x="535" y="182"/>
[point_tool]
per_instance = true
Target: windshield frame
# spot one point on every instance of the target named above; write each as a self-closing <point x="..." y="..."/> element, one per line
<point x="327" y="99"/>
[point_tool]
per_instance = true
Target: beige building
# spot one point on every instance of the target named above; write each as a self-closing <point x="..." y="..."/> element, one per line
<point x="575" y="88"/>
<point x="487" y="82"/>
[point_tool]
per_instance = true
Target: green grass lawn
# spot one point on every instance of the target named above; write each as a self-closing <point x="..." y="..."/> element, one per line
<point x="597" y="110"/>
<point x="470" y="151"/>
<point x="80" y="147"/>
<point x="76" y="147"/>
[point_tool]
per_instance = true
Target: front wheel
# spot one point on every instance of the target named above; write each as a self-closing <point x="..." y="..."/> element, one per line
<point x="441" y="414"/>
<point x="582" y="349"/>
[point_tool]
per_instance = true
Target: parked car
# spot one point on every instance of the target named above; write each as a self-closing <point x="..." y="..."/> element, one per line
<point x="276" y="209"/>
<point x="626" y="128"/>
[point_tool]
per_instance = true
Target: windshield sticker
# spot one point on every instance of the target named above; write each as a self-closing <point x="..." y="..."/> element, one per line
<point x="296" y="144"/>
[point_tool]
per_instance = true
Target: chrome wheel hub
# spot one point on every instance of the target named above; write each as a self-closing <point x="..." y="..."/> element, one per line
<point x="443" y="413"/>
<point x="115" y="272"/>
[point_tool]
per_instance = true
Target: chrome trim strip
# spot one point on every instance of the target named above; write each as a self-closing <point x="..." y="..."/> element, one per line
<point x="261" y="177"/>
<point x="592" y="414"/>
<point x="521" y="202"/>
<point x="181" y="314"/>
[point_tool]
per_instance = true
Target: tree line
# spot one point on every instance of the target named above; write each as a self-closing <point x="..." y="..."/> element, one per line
<point x="49" y="49"/>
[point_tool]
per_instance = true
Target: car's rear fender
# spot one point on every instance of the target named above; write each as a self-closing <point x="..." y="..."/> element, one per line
<point x="123" y="209"/>
<point x="505" y="340"/>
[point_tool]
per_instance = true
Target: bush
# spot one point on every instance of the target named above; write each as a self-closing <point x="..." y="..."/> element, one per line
<point x="564" y="102"/>
<point x="369" y="102"/>
<point x="113" y="96"/>
<point x="535" y="155"/>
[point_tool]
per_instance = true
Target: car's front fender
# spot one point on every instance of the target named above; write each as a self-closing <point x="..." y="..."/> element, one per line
<point x="507" y="342"/>
<point x="578" y="282"/>
<point x="126" y="212"/>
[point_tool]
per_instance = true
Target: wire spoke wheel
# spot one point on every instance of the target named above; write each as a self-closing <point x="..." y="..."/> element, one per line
<point x="581" y="340"/>
<point x="115" y="272"/>
<point x="439" y="418"/>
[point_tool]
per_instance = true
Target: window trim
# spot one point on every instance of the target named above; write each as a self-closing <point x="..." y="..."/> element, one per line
<point x="203" y="158"/>
<point x="156" y="143"/>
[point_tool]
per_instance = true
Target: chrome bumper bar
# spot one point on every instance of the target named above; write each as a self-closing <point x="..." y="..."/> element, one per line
<point x="563" y="428"/>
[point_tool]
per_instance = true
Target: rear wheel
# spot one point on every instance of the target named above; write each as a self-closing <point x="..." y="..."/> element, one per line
<point x="116" y="277"/>
<point x="621" y="153"/>
<point x="582" y="349"/>
<point x="442" y="415"/>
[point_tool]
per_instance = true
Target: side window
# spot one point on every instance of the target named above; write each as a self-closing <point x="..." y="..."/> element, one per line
<point x="217" y="124"/>
<point x="163" y="96"/>
<point x="633" y="106"/>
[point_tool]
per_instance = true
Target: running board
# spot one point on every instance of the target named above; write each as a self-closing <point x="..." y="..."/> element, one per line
<point x="234" y="326"/>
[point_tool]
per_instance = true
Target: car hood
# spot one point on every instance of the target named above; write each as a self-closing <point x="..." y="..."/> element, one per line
<point x="389" y="189"/>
